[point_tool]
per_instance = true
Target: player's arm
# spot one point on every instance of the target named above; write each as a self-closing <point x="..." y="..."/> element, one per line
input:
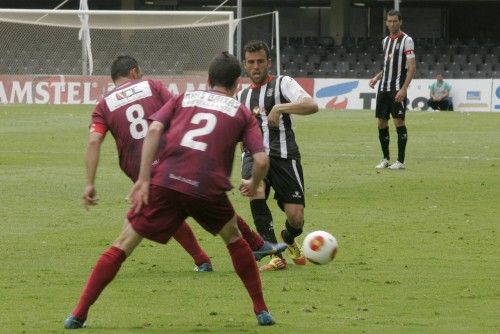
<point x="96" y="137"/>
<point x="259" y="171"/>
<point x="411" y="64"/>
<point x="253" y="141"/>
<point x="300" y="103"/>
<point x="375" y="79"/>
<point x="140" y="191"/>
<point x="401" y="94"/>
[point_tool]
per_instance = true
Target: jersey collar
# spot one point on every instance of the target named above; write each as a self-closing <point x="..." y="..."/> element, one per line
<point x="399" y="34"/>
<point x="265" y="82"/>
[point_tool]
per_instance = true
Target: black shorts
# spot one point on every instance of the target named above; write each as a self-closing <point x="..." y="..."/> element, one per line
<point x="285" y="176"/>
<point x="386" y="106"/>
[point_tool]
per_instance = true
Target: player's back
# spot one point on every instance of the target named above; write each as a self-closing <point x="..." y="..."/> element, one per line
<point x="125" y="111"/>
<point x="203" y="129"/>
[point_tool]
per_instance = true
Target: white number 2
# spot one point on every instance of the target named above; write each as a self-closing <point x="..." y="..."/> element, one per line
<point x="188" y="140"/>
<point x="138" y="125"/>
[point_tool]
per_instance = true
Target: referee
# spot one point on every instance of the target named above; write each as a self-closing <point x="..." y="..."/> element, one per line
<point x="395" y="77"/>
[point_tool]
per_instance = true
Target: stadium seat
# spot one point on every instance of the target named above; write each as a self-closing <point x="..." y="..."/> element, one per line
<point x="485" y="67"/>
<point x="299" y="59"/>
<point x="308" y="68"/>
<point x="453" y="67"/>
<point x="327" y="42"/>
<point x="342" y="66"/>
<point x="333" y="57"/>
<point x="319" y="73"/>
<point x="470" y="67"/>
<point x="428" y="58"/>
<point x="476" y="58"/>
<point x="491" y="58"/>
<point x="443" y="58"/>
<point x="437" y="67"/>
<point x="314" y="59"/>
<point x="460" y="59"/>
<point x="326" y="66"/>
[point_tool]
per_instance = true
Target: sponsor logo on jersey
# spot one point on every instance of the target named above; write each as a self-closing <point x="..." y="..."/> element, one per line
<point x="211" y="101"/>
<point x="270" y="92"/>
<point x="127" y="95"/>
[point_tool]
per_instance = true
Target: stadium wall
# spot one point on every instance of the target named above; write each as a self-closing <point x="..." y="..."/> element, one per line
<point x="467" y="94"/>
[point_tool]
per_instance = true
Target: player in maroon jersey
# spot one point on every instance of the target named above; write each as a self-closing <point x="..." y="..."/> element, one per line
<point x="123" y="112"/>
<point x="190" y="179"/>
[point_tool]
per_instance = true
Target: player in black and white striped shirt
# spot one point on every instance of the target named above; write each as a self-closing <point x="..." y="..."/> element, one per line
<point x="273" y="100"/>
<point x="395" y="77"/>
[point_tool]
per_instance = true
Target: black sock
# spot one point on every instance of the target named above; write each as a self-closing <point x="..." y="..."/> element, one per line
<point x="402" y="139"/>
<point x="263" y="219"/>
<point x="290" y="233"/>
<point x="384" y="138"/>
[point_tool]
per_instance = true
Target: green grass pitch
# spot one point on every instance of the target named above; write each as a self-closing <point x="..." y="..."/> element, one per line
<point x="419" y="248"/>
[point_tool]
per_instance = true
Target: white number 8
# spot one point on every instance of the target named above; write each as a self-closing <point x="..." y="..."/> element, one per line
<point x="138" y="125"/>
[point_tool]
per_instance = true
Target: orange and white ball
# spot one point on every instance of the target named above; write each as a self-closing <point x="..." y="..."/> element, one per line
<point x="320" y="247"/>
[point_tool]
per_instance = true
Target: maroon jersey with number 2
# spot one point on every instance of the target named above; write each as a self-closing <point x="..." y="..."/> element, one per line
<point x="203" y="129"/>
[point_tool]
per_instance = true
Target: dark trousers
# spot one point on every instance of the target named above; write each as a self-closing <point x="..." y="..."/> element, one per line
<point x="444" y="104"/>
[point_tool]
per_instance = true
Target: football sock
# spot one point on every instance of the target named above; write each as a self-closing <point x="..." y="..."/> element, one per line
<point x="290" y="233"/>
<point x="402" y="139"/>
<point x="254" y="240"/>
<point x="103" y="273"/>
<point x="263" y="219"/>
<point x="384" y="138"/>
<point x="246" y="268"/>
<point x="185" y="236"/>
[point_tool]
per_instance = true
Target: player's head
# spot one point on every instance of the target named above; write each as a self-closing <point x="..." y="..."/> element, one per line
<point x="125" y="67"/>
<point x="224" y="71"/>
<point x="439" y="77"/>
<point x="393" y="21"/>
<point x="257" y="61"/>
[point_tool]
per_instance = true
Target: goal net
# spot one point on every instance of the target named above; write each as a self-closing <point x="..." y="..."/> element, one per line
<point x="72" y="42"/>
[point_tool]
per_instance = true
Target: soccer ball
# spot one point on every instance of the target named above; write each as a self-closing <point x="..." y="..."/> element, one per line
<point x="320" y="247"/>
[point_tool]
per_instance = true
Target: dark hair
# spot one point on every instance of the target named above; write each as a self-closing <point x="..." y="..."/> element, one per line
<point x="394" y="12"/>
<point x="223" y="70"/>
<point x="254" y="46"/>
<point x="122" y="65"/>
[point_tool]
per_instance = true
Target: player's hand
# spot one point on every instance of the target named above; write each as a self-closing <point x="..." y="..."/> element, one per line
<point x="248" y="188"/>
<point x="88" y="197"/>
<point x="139" y="195"/>
<point x="273" y="119"/>
<point x="373" y="82"/>
<point x="400" y="95"/>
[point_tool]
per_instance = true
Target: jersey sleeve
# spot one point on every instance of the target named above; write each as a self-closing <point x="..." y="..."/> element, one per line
<point x="252" y="137"/>
<point x="98" y="121"/>
<point x="163" y="92"/>
<point x="409" y="48"/>
<point x="165" y="114"/>
<point x="291" y="89"/>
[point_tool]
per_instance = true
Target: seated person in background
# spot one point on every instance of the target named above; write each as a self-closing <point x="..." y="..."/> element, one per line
<point x="440" y="94"/>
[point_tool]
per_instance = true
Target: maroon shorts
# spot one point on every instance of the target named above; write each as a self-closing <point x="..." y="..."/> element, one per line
<point x="167" y="209"/>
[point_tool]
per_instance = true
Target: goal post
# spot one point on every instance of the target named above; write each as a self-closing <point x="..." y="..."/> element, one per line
<point x="47" y="42"/>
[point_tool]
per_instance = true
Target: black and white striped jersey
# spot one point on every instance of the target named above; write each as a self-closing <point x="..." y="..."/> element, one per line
<point x="397" y="49"/>
<point x="279" y="142"/>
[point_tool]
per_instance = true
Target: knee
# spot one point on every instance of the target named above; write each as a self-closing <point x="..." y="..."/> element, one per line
<point x="296" y="219"/>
